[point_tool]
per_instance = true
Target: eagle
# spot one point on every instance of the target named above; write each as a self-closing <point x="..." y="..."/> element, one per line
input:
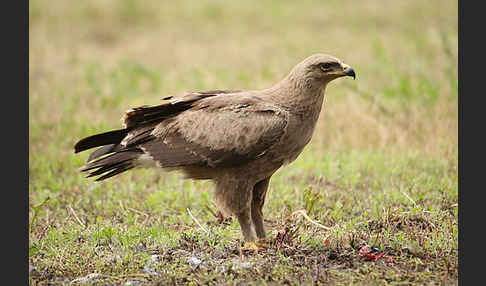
<point x="236" y="138"/>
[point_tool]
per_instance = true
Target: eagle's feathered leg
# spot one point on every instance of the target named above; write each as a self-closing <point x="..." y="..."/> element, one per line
<point x="235" y="197"/>
<point x="246" y="224"/>
<point x="258" y="199"/>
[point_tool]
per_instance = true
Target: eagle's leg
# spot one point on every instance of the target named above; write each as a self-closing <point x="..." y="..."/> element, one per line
<point x="244" y="218"/>
<point x="242" y="209"/>
<point x="235" y="197"/>
<point x="258" y="199"/>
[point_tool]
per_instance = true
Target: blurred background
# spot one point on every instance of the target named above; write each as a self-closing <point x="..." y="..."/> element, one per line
<point x="91" y="60"/>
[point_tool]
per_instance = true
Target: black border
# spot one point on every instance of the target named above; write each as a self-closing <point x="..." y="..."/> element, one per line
<point x="15" y="141"/>
<point x="471" y="169"/>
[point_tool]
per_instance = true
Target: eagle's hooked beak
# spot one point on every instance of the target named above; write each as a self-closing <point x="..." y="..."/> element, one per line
<point x="348" y="71"/>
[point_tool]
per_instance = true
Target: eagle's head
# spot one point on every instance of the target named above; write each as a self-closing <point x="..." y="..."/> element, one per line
<point x="318" y="70"/>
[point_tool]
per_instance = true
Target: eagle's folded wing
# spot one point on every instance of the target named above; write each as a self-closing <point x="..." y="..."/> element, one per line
<point x="197" y="129"/>
<point x="218" y="135"/>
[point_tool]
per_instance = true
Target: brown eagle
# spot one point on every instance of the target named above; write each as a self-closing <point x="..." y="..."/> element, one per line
<point x="236" y="138"/>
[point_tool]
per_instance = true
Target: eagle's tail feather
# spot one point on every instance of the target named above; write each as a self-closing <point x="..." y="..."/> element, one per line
<point x="103" y="150"/>
<point x="113" y="164"/>
<point x="120" y="169"/>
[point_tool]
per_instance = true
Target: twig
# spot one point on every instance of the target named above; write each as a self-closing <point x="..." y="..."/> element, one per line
<point x="408" y="197"/>
<point x="75" y="216"/>
<point x="304" y="214"/>
<point x="197" y="222"/>
<point x="137" y="211"/>
<point x="121" y="205"/>
<point x="147" y="216"/>
<point x="211" y="211"/>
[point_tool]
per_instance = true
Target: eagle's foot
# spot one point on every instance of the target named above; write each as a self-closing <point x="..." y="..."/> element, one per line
<point x="264" y="242"/>
<point x="255" y="245"/>
<point x="250" y="246"/>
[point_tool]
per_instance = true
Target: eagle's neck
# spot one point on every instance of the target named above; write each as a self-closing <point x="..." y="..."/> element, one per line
<point x="297" y="94"/>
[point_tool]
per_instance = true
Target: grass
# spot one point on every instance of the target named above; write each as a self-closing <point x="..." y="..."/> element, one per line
<point x="380" y="171"/>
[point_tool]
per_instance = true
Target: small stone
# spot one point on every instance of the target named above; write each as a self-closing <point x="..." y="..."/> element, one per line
<point x="194" y="262"/>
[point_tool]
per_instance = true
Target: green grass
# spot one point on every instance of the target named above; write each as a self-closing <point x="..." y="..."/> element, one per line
<point x="381" y="169"/>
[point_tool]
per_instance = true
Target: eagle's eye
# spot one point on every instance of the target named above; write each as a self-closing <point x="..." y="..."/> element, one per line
<point x="325" y="66"/>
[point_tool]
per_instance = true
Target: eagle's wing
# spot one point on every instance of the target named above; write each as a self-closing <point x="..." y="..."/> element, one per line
<point x="171" y="106"/>
<point x="212" y="129"/>
<point x="223" y="131"/>
<point x="139" y="118"/>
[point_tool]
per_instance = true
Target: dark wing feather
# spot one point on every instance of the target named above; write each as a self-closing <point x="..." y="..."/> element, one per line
<point x="114" y="163"/>
<point x="140" y="117"/>
<point x="102" y="151"/>
<point x="174" y="105"/>
<point x="118" y="151"/>
<point x="106" y="138"/>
